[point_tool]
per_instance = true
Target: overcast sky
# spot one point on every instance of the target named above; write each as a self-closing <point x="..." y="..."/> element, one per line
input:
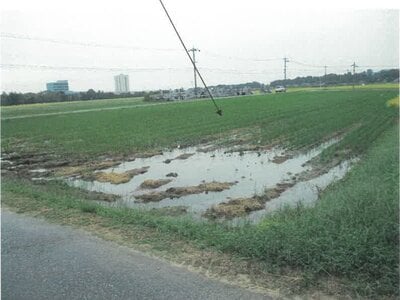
<point x="135" y="38"/>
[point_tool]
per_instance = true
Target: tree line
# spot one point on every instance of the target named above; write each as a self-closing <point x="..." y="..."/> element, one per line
<point x="365" y="77"/>
<point x="47" y="97"/>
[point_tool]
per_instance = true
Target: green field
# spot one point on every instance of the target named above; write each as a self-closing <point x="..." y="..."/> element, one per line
<point x="350" y="236"/>
<point x="63" y="107"/>
<point x="294" y="119"/>
<point x="374" y="86"/>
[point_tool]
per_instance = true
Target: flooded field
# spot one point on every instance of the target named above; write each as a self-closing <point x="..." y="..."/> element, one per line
<point x="200" y="179"/>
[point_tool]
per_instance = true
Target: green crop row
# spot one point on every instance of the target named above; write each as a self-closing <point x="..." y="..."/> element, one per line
<point x="293" y="119"/>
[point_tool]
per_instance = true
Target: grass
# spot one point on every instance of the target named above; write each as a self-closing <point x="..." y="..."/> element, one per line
<point x="351" y="233"/>
<point x="350" y="236"/>
<point x="68" y="106"/>
<point x="294" y="119"/>
<point x="372" y="86"/>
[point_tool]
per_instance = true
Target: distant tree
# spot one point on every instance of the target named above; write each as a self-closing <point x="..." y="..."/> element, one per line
<point x="91" y="94"/>
<point x="342" y="79"/>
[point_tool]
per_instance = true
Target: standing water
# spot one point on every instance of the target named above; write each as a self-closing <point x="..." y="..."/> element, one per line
<point x="249" y="173"/>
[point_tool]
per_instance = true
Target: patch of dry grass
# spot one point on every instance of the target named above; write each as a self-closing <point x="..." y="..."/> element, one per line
<point x="234" y="208"/>
<point x="118" y="178"/>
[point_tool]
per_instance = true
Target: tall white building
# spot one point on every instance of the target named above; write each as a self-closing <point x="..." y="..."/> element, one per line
<point x="121" y="84"/>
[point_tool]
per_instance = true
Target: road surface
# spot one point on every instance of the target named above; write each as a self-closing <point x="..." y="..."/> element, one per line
<point x="47" y="261"/>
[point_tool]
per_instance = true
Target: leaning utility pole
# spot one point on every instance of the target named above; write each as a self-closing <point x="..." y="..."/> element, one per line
<point x="354" y="71"/>
<point x="285" y="60"/>
<point x="193" y="50"/>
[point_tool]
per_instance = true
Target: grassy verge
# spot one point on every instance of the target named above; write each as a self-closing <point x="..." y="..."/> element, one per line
<point x="351" y="235"/>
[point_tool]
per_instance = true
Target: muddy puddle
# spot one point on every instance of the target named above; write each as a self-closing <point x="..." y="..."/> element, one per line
<point x="199" y="179"/>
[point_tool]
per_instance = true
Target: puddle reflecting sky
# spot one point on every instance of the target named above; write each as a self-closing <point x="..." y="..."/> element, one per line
<point x="253" y="172"/>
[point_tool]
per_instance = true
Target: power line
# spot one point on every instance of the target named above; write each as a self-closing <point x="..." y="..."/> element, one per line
<point x="7" y="35"/>
<point x="79" y="68"/>
<point x="381" y="66"/>
<point x="240" y="58"/>
<point x="316" y="66"/>
<point x="127" y="69"/>
<point x="78" y="43"/>
<point x="219" y="111"/>
<point x="136" y="69"/>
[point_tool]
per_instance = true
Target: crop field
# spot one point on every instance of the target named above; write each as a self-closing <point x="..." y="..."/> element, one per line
<point x="65" y="107"/>
<point x="374" y="86"/>
<point x="295" y="120"/>
<point x="344" y="244"/>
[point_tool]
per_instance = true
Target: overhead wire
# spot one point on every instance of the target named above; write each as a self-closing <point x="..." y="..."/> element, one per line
<point x="219" y="110"/>
<point x="212" y="54"/>
<point x="79" y="43"/>
<point x="80" y="68"/>
<point x="8" y="35"/>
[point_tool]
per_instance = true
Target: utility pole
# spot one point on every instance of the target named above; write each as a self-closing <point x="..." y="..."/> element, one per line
<point x="194" y="50"/>
<point x="285" y="60"/>
<point x="354" y="72"/>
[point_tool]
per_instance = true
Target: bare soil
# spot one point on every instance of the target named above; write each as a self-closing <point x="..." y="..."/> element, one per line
<point x="281" y="159"/>
<point x="153" y="184"/>
<point x="179" y="157"/>
<point x="172" y="174"/>
<point x="177" y="192"/>
<point x="184" y="156"/>
<point x="239" y="207"/>
<point x="84" y="169"/>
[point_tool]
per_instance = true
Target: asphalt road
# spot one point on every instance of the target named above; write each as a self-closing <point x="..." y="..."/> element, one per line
<point x="47" y="261"/>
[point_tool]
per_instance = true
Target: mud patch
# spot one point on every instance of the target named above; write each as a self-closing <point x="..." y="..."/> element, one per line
<point x="234" y="208"/>
<point x="177" y="192"/>
<point x="172" y="174"/>
<point x="281" y="159"/>
<point x="240" y="207"/>
<point x="99" y="196"/>
<point x="85" y="169"/>
<point x="118" y="178"/>
<point x="179" y="157"/>
<point x="184" y="156"/>
<point x="207" y="179"/>
<point x="171" y="211"/>
<point x="276" y="191"/>
<point x="153" y="184"/>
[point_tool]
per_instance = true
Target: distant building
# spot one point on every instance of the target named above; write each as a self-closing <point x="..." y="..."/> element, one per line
<point x="58" y="86"/>
<point x="121" y="84"/>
